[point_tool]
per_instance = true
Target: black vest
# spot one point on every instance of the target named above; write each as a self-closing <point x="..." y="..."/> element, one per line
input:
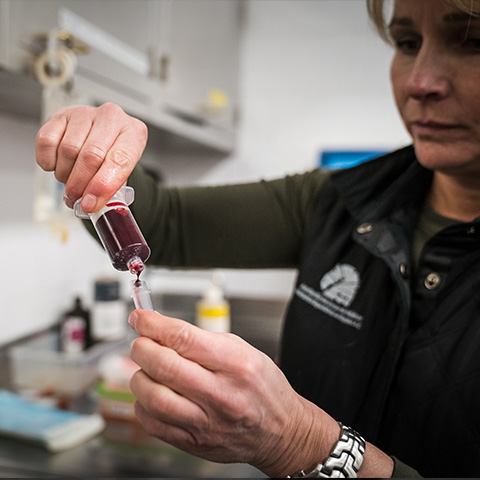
<point x="374" y="347"/>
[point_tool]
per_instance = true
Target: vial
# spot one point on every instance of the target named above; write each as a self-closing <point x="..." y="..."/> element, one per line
<point x="119" y="232"/>
<point x="141" y="295"/>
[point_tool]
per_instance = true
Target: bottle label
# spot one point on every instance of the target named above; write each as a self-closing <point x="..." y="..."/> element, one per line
<point x="74" y="335"/>
<point x="219" y="324"/>
<point x="108" y="320"/>
<point x="214" y="311"/>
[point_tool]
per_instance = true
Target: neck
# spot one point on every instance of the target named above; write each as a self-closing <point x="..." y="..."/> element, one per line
<point x="456" y="198"/>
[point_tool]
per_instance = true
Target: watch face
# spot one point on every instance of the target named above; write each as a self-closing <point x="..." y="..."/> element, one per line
<point x="341" y="284"/>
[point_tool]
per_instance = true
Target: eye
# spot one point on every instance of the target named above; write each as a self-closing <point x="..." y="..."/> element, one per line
<point x="471" y="44"/>
<point x="408" y="46"/>
<point x="406" y="40"/>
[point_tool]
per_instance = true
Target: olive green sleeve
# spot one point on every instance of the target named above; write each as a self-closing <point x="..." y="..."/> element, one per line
<point x="255" y="225"/>
<point x="400" y="470"/>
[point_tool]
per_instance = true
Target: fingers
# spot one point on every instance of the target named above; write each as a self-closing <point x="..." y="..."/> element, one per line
<point x="165" y="404"/>
<point x="208" y="393"/>
<point x="169" y="433"/>
<point x="118" y="161"/>
<point x="75" y="134"/>
<point x="214" y="351"/>
<point x="91" y="150"/>
<point x="48" y="139"/>
<point x="166" y="367"/>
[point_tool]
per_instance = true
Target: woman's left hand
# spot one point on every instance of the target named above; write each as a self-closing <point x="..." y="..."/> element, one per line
<point x="215" y="396"/>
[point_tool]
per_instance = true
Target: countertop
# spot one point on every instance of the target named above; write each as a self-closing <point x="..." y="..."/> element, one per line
<point x="99" y="459"/>
<point x="103" y="457"/>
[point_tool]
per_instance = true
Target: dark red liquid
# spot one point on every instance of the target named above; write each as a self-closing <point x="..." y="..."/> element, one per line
<point x="135" y="266"/>
<point x="121" y="237"/>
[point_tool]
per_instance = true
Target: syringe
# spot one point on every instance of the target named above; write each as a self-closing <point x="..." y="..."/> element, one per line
<point x="141" y="295"/>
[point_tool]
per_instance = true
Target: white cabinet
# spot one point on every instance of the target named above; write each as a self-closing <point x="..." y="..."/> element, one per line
<point x="202" y="47"/>
<point x="173" y="63"/>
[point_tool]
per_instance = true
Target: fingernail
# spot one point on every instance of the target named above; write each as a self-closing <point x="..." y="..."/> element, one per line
<point x="67" y="201"/>
<point x="132" y="319"/>
<point x="88" y="202"/>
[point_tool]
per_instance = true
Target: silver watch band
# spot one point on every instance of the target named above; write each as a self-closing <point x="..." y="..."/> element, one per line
<point x="345" y="459"/>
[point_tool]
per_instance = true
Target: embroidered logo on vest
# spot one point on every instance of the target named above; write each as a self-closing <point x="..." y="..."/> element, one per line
<point x="338" y="288"/>
<point x="341" y="284"/>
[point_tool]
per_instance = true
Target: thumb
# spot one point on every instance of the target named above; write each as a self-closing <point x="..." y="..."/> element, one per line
<point x="147" y="323"/>
<point x="174" y="333"/>
<point x="212" y="350"/>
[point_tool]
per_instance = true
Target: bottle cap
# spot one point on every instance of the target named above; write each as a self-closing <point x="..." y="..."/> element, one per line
<point x="107" y="290"/>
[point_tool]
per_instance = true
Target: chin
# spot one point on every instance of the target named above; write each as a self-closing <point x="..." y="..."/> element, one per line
<point x="446" y="157"/>
<point x="433" y="156"/>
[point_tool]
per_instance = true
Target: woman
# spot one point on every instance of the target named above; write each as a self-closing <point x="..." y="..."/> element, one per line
<point x="382" y="330"/>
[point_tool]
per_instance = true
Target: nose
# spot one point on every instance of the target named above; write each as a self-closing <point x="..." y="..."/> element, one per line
<point x="429" y="76"/>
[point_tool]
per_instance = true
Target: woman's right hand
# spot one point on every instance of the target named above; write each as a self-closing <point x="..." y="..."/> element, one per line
<point x="92" y="150"/>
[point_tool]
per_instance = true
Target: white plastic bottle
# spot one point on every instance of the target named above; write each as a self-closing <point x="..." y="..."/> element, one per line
<point x="108" y="311"/>
<point x="213" y="310"/>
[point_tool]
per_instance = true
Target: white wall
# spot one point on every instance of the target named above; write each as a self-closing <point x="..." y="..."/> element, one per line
<point x="313" y="76"/>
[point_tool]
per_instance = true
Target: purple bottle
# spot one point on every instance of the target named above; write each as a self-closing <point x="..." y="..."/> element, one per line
<point x="119" y="232"/>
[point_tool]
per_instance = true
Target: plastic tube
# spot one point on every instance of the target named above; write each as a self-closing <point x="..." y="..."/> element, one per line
<point x="141" y="295"/>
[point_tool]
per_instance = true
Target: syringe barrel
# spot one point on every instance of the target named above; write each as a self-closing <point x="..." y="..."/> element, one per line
<point x="117" y="229"/>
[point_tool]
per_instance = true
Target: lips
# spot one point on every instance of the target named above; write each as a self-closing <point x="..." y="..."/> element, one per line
<point x="434" y="128"/>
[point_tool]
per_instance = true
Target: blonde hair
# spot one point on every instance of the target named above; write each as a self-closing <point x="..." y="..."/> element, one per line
<point x="376" y="12"/>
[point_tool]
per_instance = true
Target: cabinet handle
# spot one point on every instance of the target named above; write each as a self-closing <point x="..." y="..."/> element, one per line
<point x="164" y="73"/>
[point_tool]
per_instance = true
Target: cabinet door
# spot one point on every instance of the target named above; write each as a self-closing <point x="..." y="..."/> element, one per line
<point x="173" y="63"/>
<point x="117" y="32"/>
<point x="203" y="44"/>
<point x="20" y="21"/>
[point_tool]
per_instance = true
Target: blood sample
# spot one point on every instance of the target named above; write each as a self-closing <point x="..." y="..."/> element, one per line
<point x="119" y="232"/>
<point x="122" y="239"/>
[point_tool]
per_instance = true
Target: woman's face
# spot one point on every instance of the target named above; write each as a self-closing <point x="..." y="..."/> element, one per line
<point x="436" y="82"/>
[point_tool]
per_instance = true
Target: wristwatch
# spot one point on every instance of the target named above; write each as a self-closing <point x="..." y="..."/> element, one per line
<point x="345" y="459"/>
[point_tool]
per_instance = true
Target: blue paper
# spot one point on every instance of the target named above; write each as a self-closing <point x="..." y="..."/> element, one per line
<point x="50" y="427"/>
<point x="20" y="416"/>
